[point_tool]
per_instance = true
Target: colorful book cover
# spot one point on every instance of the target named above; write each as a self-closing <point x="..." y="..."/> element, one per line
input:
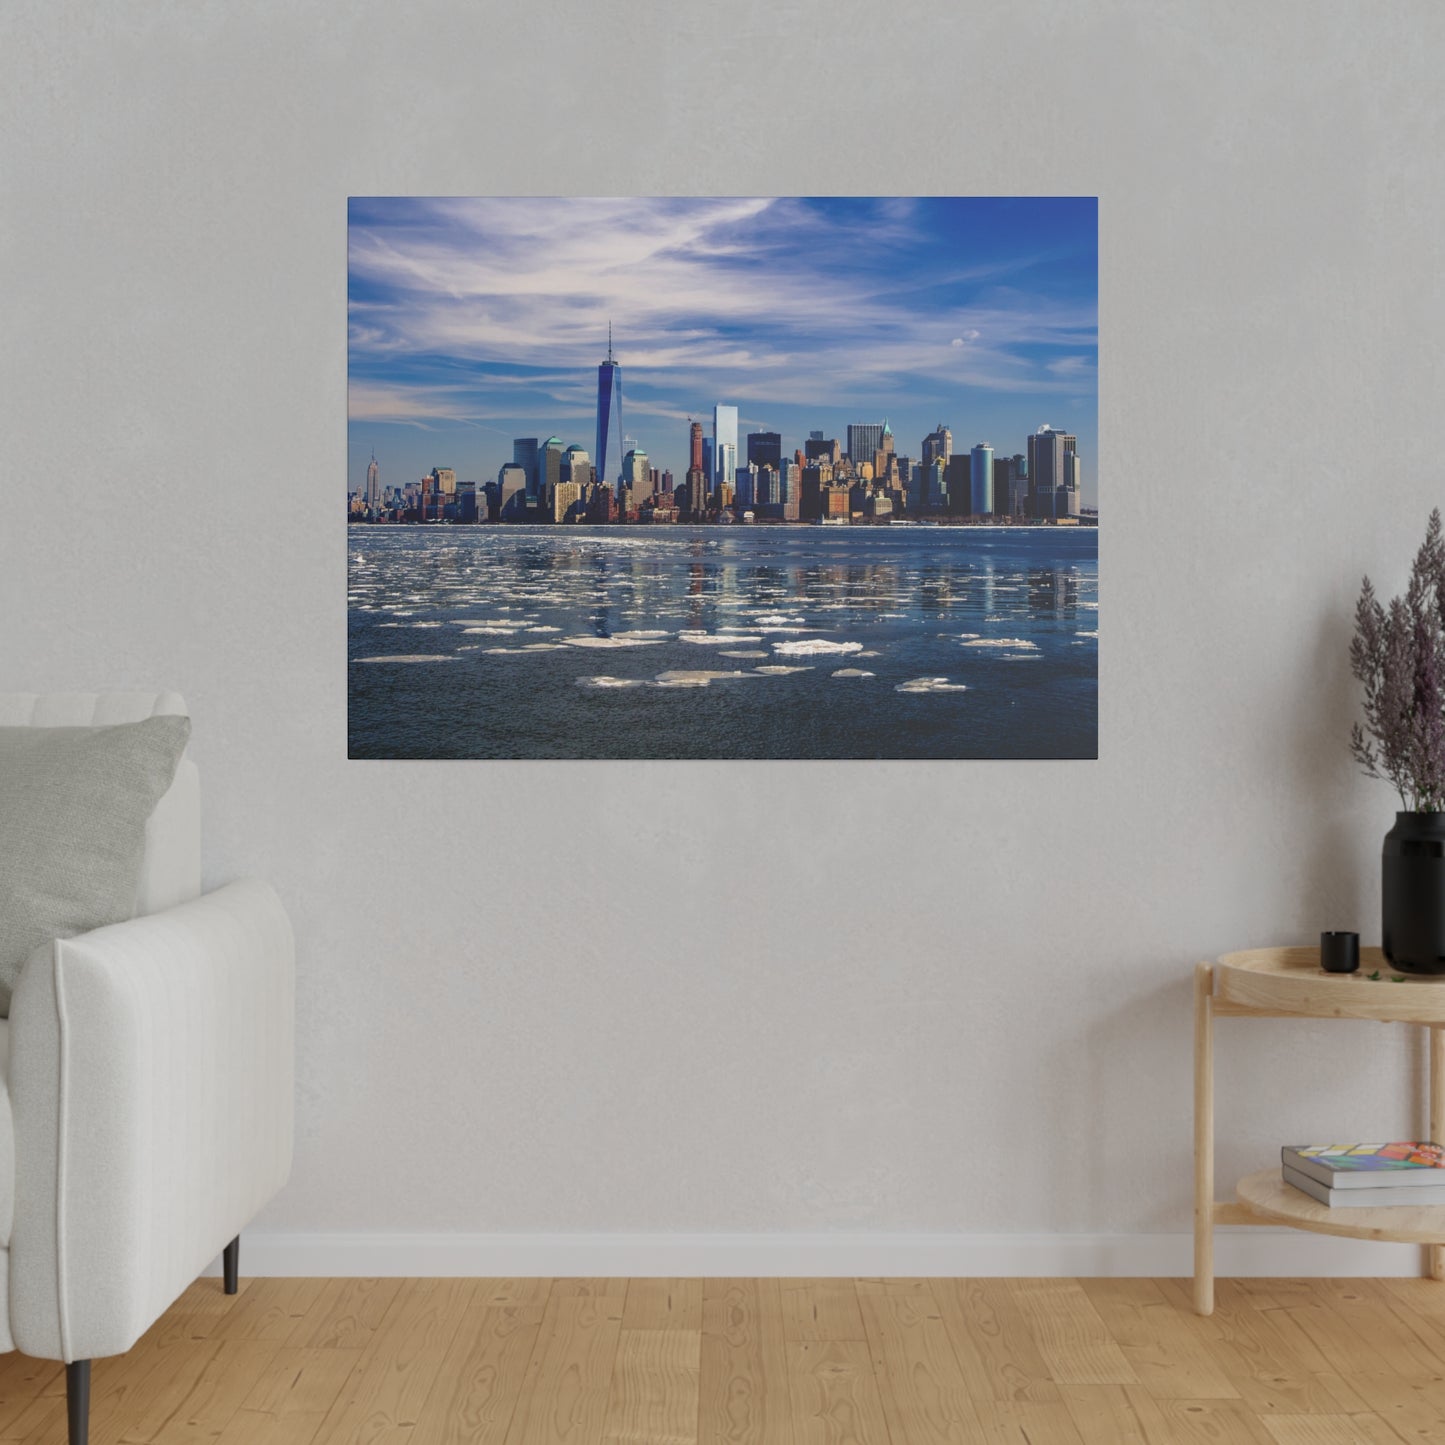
<point x="1365" y="1158"/>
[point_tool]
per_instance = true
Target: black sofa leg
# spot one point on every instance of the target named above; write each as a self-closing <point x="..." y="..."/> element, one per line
<point x="77" y="1401"/>
<point x="231" y="1264"/>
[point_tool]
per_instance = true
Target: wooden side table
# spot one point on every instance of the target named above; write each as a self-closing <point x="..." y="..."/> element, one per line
<point x="1289" y="983"/>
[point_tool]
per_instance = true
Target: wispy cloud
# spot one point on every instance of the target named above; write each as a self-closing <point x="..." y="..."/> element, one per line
<point x="468" y="311"/>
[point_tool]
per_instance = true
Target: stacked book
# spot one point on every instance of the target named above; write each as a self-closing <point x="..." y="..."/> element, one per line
<point x="1367" y="1176"/>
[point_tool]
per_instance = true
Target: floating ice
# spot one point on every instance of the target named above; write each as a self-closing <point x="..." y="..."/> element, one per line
<point x="544" y="629"/>
<point x="491" y="630"/>
<point x="696" y="677"/>
<point x="931" y="684"/>
<point x="1082" y="633"/>
<point x="775" y="670"/>
<point x="811" y="645"/>
<point x="411" y="657"/>
<point x="621" y="639"/>
<point x="1019" y="642"/>
<point x="526" y="647"/>
<point x="605" y="681"/>
<point x="774" y="619"/>
<point x="853" y="672"/>
<point x="717" y="639"/>
<point x="743" y="652"/>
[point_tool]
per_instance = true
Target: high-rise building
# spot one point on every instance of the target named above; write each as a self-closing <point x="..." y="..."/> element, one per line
<point x="938" y="443"/>
<point x="549" y="469"/>
<point x="373" y="486"/>
<point x="444" y="481"/>
<point x="1047" y="471"/>
<point x="577" y="466"/>
<point x="609" y="408"/>
<point x="821" y="448"/>
<point x="725" y="464"/>
<point x="765" y="448"/>
<point x="864" y="442"/>
<point x="694" y="446"/>
<point x="936" y="485"/>
<point x="637" y="474"/>
<point x="724" y="434"/>
<point x="512" y="492"/>
<point x="958" y="482"/>
<point x="709" y="470"/>
<point x="566" y="501"/>
<point x="981" y="480"/>
<point x="1010" y="491"/>
<point x="745" y="493"/>
<point x="524" y="455"/>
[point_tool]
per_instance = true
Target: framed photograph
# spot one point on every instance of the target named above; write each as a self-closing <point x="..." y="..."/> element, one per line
<point x="767" y="478"/>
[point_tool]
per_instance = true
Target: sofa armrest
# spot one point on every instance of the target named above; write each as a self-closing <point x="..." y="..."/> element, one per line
<point x="151" y="1081"/>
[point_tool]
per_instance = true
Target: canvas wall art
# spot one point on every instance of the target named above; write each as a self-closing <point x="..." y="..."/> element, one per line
<point x="725" y="478"/>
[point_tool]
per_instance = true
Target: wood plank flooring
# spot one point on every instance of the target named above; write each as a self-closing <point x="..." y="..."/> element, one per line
<point x="764" y="1362"/>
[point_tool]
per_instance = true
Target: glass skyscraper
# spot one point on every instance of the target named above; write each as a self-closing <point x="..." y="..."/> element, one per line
<point x="982" y="480"/>
<point x="609" y="410"/>
<point x="865" y="442"/>
<point x="724" y="434"/>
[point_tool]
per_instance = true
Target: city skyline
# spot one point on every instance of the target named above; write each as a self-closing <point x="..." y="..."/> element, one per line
<point x="905" y="311"/>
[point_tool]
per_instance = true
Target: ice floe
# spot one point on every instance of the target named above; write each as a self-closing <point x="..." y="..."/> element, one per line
<point x="931" y="684"/>
<point x="743" y="652"/>
<point x="1019" y="643"/>
<point x="606" y="682"/>
<point x="717" y="639"/>
<point x="853" y="672"/>
<point x="810" y="646"/>
<point x="696" y="677"/>
<point x="620" y="639"/>
<point x="411" y="657"/>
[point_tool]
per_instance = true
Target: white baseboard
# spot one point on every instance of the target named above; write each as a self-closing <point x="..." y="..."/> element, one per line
<point x="1241" y="1252"/>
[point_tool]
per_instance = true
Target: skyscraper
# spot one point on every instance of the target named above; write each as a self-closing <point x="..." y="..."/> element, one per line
<point x="765" y="449"/>
<point x="373" y="485"/>
<point x="694" y="446"/>
<point x="864" y="442"/>
<point x="981" y="480"/>
<point x="609" y="402"/>
<point x="1047" y="470"/>
<point x="549" y="469"/>
<point x="724" y="434"/>
<point x="524" y="455"/>
<point x="936" y="444"/>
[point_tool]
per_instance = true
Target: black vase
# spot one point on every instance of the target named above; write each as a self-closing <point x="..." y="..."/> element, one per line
<point x="1414" y="893"/>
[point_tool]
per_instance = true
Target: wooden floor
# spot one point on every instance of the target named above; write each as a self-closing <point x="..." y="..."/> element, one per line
<point x="765" y="1362"/>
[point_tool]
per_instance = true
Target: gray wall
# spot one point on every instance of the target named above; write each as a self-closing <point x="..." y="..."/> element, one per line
<point x="498" y="1032"/>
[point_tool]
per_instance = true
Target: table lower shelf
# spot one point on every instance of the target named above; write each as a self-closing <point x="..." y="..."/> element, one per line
<point x="1268" y="1197"/>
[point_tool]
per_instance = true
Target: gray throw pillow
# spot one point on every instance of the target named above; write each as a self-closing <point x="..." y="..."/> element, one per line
<point x="73" y="809"/>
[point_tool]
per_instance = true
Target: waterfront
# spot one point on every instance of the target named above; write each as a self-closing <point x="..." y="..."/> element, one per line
<point x="722" y="642"/>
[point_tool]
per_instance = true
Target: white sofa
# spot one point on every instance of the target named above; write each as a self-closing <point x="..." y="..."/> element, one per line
<point x="147" y="1069"/>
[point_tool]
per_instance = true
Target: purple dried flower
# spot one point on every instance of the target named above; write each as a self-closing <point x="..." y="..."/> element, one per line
<point x="1399" y="655"/>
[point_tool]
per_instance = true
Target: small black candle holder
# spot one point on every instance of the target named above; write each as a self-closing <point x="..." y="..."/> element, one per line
<point x="1340" y="952"/>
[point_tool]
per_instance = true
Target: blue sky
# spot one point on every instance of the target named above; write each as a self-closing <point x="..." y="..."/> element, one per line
<point x="472" y="321"/>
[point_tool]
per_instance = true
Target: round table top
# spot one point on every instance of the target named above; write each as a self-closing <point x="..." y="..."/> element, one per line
<point x="1267" y="1195"/>
<point x="1290" y="980"/>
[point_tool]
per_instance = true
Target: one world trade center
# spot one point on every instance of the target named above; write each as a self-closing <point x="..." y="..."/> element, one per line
<point x="609" y="410"/>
